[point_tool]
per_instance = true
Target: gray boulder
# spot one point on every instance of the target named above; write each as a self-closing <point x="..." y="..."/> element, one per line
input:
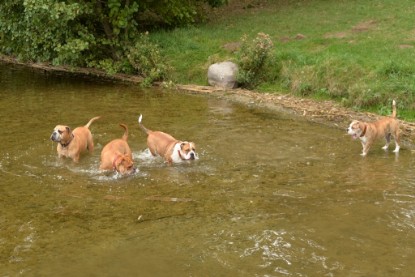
<point x="223" y="75"/>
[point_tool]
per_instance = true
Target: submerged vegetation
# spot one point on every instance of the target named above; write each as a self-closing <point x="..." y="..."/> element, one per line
<point x="358" y="52"/>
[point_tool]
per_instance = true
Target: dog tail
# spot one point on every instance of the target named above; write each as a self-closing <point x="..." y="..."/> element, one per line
<point x="125" y="135"/>
<point x="92" y="120"/>
<point x="394" y="109"/>
<point x="140" y="118"/>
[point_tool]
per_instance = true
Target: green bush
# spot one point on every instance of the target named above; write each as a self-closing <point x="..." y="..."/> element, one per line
<point x="41" y="30"/>
<point x="256" y="61"/>
<point x="93" y="33"/>
<point x="146" y="59"/>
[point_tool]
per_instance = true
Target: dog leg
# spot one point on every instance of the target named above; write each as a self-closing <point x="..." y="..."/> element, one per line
<point x="397" y="147"/>
<point x="90" y="144"/>
<point x="364" y="151"/>
<point x="76" y="158"/>
<point x="397" y="141"/>
<point x="366" y="147"/>
<point x="388" y="140"/>
<point x="152" y="151"/>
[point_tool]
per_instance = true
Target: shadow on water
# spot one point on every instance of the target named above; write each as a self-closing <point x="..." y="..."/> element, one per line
<point x="271" y="195"/>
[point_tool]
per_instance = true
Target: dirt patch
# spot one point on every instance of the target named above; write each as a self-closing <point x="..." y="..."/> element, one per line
<point x="336" y="35"/>
<point x="286" y="39"/>
<point x="364" y="26"/>
<point x="358" y="28"/>
<point x="232" y="46"/>
<point x="405" y="46"/>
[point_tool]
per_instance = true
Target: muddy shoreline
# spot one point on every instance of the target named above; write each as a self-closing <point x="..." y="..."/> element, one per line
<point x="325" y="112"/>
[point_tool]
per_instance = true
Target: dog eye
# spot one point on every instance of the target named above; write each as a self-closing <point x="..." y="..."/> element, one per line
<point x="60" y="132"/>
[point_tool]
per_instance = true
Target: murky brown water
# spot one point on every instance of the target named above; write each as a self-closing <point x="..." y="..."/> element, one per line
<point x="270" y="195"/>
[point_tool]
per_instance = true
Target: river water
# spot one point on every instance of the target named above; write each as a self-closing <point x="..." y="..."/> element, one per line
<point x="271" y="194"/>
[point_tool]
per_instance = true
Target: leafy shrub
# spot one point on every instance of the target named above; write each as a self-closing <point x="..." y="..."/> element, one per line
<point x="108" y="65"/>
<point x="34" y="29"/>
<point x="71" y="52"/>
<point x="146" y="59"/>
<point x="256" y="61"/>
<point x="92" y="33"/>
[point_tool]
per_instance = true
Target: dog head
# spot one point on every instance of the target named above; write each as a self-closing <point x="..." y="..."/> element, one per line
<point x="187" y="151"/>
<point x="61" y="134"/>
<point x="356" y="129"/>
<point x="123" y="164"/>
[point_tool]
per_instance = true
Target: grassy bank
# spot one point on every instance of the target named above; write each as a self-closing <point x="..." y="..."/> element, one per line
<point x="359" y="52"/>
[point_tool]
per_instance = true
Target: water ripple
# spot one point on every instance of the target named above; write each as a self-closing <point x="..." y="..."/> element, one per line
<point x="26" y="235"/>
<point x="271" y="245"/>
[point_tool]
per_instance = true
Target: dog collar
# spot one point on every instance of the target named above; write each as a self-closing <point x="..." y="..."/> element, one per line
<point x="66" y="144"/>
<point x="180" y="155"/>
<point x="364" y="131"/>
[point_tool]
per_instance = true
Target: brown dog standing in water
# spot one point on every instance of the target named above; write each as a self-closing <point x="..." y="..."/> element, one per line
<point x="166" y="146"/>
<point x="116" y="155"/>
<point x="369" y="132"/>
<point x="72" y="143"/>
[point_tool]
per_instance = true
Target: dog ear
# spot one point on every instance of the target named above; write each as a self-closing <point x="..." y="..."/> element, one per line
<point x="117" y="163"/>
<point x="356" y="124"/>
<point x="123" y="164"/>
<point x="123" y="159"/>
<point x="68" y="129"/>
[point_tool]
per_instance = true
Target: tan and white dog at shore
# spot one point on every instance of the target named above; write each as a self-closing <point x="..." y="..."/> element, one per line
<point x="116" y="155"/>
<point x="369" y="132"/>
<point x="166" y="146"/>
<point x="71" y="143"/>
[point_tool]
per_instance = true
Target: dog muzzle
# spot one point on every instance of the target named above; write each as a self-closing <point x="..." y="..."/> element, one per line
<point x="55" y="137"/>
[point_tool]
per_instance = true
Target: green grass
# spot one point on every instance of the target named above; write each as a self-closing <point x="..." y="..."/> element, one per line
<point x="358" y="52"/>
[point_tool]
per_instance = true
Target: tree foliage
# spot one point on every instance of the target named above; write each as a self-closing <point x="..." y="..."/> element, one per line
<point x="95" y="33"/>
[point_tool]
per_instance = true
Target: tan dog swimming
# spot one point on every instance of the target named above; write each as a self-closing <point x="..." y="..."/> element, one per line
<point x="116" y="155"/>
<point x="166" y="146"/>
<point x="72" y="143"/>
<point x="369" y="132"/>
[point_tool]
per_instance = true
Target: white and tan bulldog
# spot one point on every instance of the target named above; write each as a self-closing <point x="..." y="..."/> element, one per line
<point x="116" y="155"/>
<point x="71" y="143"/>
<point x="369" y="132"/>
<point x="166" y="146"/>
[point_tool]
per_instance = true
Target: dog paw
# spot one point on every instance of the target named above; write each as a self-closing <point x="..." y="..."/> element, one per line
<point x="385" y="147"/>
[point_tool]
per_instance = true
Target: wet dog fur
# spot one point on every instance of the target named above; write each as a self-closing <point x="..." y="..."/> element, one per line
<point x="166" y="146"/>
<point x="71" y="143"/>
<point x="369" y="132"/>
<point x="116" y="155"/>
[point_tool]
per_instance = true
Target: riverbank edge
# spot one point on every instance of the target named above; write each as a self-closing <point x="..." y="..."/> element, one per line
<point x="326" y="112"/>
